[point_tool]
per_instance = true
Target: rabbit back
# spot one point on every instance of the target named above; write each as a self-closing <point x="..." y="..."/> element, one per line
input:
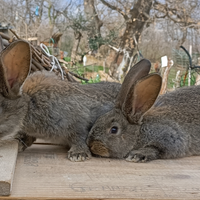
<point x="174" y="121"/>
<point x="59" y="110"/>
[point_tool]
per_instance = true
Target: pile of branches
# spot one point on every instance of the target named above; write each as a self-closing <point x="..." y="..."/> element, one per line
<point x="40" y="61"/>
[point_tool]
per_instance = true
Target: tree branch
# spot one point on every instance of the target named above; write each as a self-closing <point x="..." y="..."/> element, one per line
<point x="172" y="14"/>
<point x="115" y="8"/>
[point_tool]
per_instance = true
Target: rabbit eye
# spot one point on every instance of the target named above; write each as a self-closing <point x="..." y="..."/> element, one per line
<point x="114" y="130"/>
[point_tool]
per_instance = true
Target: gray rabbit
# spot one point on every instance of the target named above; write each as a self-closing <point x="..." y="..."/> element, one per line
<point x="140" y="128"/>
<point x="43" y="106"/>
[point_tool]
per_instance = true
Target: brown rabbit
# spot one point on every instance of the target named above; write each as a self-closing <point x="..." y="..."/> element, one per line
<point x="43" y="106"/>
<point x="139" y="131"/>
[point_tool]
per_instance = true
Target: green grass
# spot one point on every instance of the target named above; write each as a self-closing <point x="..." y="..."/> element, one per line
<point x="81" y="70"/>
<point x="192" y="80"/>
<point x="172" y="76"/>
<point x="67" y="59"/>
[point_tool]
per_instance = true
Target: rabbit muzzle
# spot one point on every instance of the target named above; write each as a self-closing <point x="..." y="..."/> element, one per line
<point x="98" y="148"/>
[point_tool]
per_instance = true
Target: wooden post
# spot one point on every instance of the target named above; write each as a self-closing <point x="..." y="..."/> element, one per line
<point x="8" y="156"/>
<point x="197" y="80"/>
<point x="165" y="77"/>
<point x="177" y="80"/>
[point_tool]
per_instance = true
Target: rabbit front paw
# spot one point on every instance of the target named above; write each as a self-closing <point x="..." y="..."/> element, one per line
<point x="25" y="141"/>
<point x="77" y="155"/>
<point x="142" y="155"/>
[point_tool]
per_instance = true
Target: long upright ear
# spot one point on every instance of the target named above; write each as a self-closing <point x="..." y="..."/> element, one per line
<point x="141" y="97"/>
<point x="141" y="69"/>
<point x="15" y="65"/>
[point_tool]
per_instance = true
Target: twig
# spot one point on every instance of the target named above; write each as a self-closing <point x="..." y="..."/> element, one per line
<point x="40" y="61"/>
<point x="33" y="67"/>
<point x="38" y="65"/>
<point x="77" y="76"/>
<point x="63" y="61"/>
<point x="15" y="34"/>
<point x="4" y="36"/>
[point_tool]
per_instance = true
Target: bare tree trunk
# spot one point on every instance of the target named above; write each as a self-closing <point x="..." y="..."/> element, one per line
<point x="135" y="23"/>
<point x="91" y="13"/>
<point x="77" y="36"/>
<point x="52" y="14"/>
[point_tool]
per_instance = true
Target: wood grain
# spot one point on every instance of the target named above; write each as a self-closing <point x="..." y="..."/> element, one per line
<point x="43" y="172"/>
<point x="8" y="155"/>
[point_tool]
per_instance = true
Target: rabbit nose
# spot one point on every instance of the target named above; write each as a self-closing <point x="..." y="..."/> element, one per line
<point x="98" y="148"/>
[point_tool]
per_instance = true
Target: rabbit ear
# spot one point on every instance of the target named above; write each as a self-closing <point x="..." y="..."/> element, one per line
<point x="15" y="64"/>
<point x="141" y="97"/>
<point x="141" y="69"/>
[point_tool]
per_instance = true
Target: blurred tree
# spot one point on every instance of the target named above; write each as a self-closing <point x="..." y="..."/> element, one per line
<point x="156" y="25"/>
<point x="137" y="15"/>
<point x="91" y="15"/>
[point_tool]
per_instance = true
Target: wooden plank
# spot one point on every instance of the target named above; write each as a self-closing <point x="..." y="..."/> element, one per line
<point x="43" y="172"/>
<point x="8" y="156"/>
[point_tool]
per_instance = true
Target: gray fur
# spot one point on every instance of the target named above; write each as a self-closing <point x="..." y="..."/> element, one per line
<point x="169" y="129"/>
<point x="55" y="110"/>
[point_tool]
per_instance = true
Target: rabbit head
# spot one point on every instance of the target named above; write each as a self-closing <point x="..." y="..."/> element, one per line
<point x="15" y="63"/>
<point x="116" y="133"/>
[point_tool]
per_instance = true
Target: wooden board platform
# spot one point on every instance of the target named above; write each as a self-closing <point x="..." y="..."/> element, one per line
<point x="8" y="157"/>
<point x="43" y="172"/>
